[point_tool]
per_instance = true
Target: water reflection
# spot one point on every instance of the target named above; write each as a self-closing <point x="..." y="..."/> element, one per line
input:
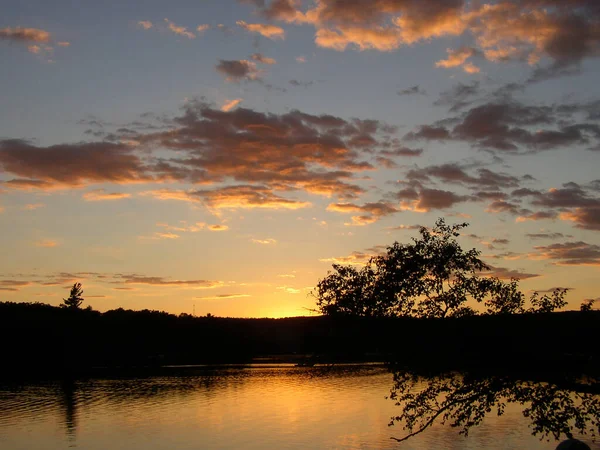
<point x="69" y="403"/>
<point x="557" y="406"/>
<point x="276" y="407"/>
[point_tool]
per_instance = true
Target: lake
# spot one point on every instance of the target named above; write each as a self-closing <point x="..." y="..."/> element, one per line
<point x="258" y="407"/>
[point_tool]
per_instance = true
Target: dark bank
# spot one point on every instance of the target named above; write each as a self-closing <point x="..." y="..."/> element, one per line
<point x="42" y="340"/>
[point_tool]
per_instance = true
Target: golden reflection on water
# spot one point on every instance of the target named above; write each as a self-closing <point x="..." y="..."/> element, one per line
<point x="257" y="408"/>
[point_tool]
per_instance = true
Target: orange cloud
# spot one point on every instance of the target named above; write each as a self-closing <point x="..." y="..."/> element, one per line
<point x="202" y="28"/>
<point x="230" y="104"/>
<point x="457" y="58"/>
<point x="35" y="49"/>
<point x="181" y="31"/>
<point x="224" y="296"/>
<point x="48" y="243"/>
<point x="24" y="34"/>
<point x="566" y="32"/>
<point x="145" y="24"/>
<point x="218" y="227"/>
<point x="101" y="195"/>
<point x="258" y="57"/>
<point x="33" y="206"/>
<point x="268" y="241"/>
<point x="266" y="30"/>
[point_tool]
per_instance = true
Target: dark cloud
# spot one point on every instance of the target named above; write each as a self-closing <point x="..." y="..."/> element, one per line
<point x="433" y="199"/>
<point x="547" y="235"/>
<point x="456" y="173"/>
<point x="72" y="164"/>
<point x="510" y="126"/>
<point x="238" y="70"/>
<point x="402" y="151"/>
<point x="508" y="274"/>
<point x="413" y="90"/>
<point x="160" y="281"/>
<point x="304" y="84"/>
<point x="459" y="96"/>
<point x="584" y="218"/>
<point x="569" y="253"/>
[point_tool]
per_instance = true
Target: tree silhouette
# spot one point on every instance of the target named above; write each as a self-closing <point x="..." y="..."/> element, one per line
<point x="431" y="277"/>
<point x="75" y="299"/>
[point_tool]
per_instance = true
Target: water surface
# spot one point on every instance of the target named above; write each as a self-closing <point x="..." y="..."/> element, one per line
<point x="252" y="408"/>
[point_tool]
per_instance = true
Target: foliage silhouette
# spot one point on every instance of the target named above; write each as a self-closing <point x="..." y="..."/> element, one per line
<point x="587" y="305"/>
<point x="75" y="298"/>
<point x="555" y="408"/>
<point x="433" y="277"/>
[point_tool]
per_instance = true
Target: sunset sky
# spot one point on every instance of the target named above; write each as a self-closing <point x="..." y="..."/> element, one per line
<point x="221" y="155"/>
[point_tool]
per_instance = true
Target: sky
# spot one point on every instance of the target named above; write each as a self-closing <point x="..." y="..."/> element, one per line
<point x="219" y="156"/>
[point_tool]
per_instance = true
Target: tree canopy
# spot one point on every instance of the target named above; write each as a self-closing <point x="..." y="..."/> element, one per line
<point x="75" y="297"/>
<point x="431" y="277"/>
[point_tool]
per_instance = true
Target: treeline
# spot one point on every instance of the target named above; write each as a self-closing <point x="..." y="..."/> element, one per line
<point x="42" y="340"/>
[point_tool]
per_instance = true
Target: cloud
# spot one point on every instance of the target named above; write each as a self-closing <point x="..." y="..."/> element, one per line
<point x="569" y="253"/>
<point x="99" y="195"/>
<point x="224" y="296"/>
<point x="357" y="258"/>
<point x="218" y="227"/>
<point x="510" y="126"/>
<point x="508" y="274"/>
<point x="202" y="28"/>
<point x="48" y="243"/>
<point x="21" y="34"/>
<point x="246" y="197"/>
<point x="570" y="203"/>
<point x="145" y="24"/>
<point x="405" y="227"/>
<point x="63" y="44"/>
<point x="459" y="96"/>
<point x="402" y="151"/>
<point x="259" y="57"/>
<point x="161" y="281"/>
<point x="304" y="84"/>
<point x="33" y="206"/>
<point x="249" y="159"/>
<point x="266" y="30"/>
<point x="458" y="174"/>
<point x="413" y="90"/>
<point x="230" y="104"/>
<point x="300" y="59"/>
<point x="87" y="162"/>
<point x="289" y="290"/>
<point x="238" y="70"/>
<point x="368" y="213"/>
<point x="530" y="30"/>
<point x="179" y="30"/>
<point x="165" y="235"/>
<point x="13" y="285"/>
<point x="545" y="235"/>
<point x="458" y="58"/>
<point x="584" y="218"/>
<point x="426" y="199"/>
<point x="268" y="241"/>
